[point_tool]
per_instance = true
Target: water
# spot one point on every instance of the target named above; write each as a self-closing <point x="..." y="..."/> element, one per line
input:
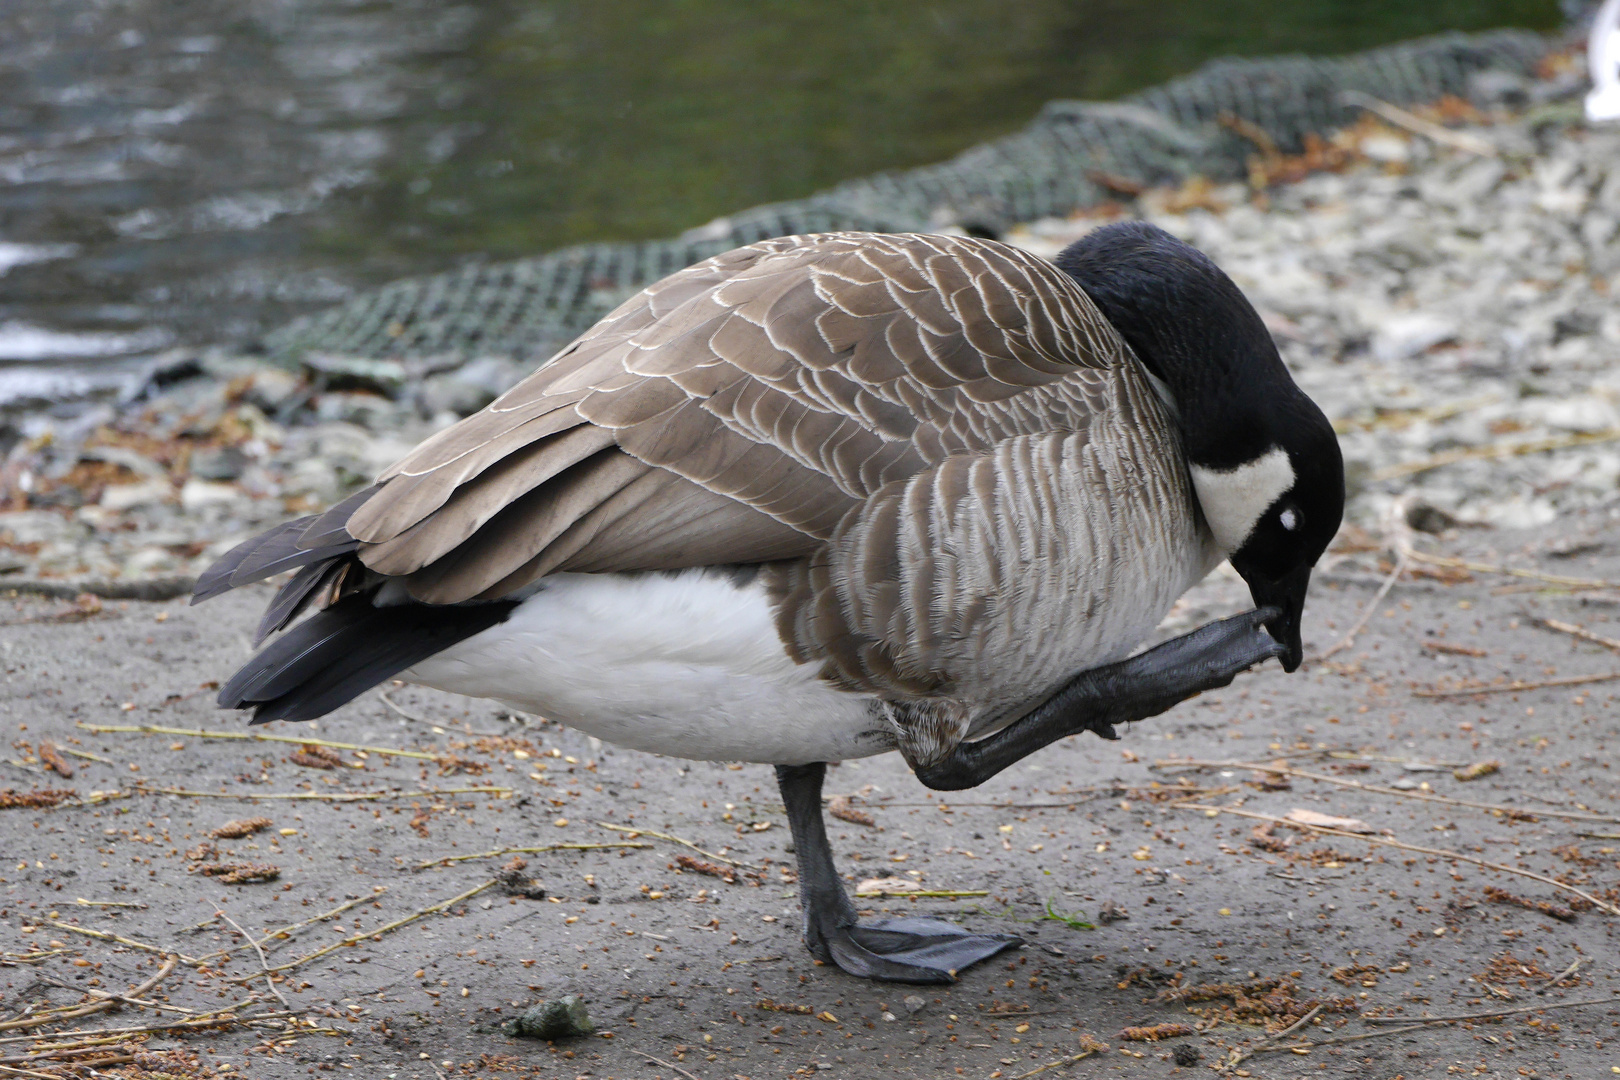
<point x="185" y="172"/>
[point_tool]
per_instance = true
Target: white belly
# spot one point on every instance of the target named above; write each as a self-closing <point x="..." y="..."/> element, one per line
<point x="686" y="664"/>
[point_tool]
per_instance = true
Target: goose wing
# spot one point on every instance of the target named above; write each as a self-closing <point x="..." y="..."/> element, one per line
<point x="736" y="411"/>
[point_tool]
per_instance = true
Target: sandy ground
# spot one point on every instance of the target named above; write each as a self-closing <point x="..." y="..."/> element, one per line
<point x="675" y="965"/>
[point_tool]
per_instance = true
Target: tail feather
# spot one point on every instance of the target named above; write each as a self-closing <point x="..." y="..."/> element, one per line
<point x="293" y="598"/>
<point x="341" y="652"/>
<point x="288" y="546"/>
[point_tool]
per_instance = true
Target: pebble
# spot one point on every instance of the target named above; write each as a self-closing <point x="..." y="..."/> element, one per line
<point x="1437" y="304"/>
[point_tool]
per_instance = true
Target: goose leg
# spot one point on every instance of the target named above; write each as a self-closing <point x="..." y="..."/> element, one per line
<point x="890" y="950"/>
<point x="1134" y="689"/>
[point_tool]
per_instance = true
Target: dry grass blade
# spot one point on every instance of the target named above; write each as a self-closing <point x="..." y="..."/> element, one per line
<point x="1513" y="687"/>
<point x="348" y="796"/>
<point x="1400" y="540"/>
<point x="1489" y="453"/>
<point x="1460" y="1017"/>
<point x="943" y="894"/>
<point x="251" y="736"/>
<point x="286" y="931"/>
<point x="200" y="1021"/>
<point x="1394" y="114"/>
<point x="1400" y="418"/>
<point x="447" y="860"/>
<point x="355" y="939"/>
<point x="1092" y="1046"/>
<point x="108" y="1002"/>
<point x="1238" y="1058"/>
<point x="1572" y="583"/>
<point x="1581" y="632"/>
<point x="1454" y="856"/>
<point x="667" y="1065"/>
<point x="264" y="963"/>
<point x="1378" y="789"/>
<point x="633" y="833"/>
<point x="189" y="961"/>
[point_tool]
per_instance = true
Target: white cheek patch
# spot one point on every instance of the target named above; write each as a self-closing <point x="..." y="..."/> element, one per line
<point x="1234" y="499"/>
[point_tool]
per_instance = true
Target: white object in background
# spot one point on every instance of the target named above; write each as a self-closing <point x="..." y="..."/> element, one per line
<point x="1603" y="57"/>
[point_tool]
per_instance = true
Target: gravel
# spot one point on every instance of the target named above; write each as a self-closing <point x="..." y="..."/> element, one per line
<point x="1448" y="309"/>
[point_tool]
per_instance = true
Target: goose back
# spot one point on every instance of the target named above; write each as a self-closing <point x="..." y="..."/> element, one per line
<point x="939" y="444"/>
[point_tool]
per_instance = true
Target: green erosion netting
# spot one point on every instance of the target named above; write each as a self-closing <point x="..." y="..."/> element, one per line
<point x="527" y="308"/>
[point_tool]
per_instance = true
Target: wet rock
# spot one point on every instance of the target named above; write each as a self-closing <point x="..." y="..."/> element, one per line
<point x="452" y="394"/>
<point x="1429" y="519"/>
<point x="386" y="377"/>
<point x="118" y="497"/>
<point x="271" y="388"/>
<point x="196" y="494"/>
<point x="1402" y="337"/>
<point x="563" y="1018"/>
<point x="218" y="463"/>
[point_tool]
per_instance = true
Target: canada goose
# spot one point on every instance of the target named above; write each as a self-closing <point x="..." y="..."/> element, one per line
<point x="827" y="496"/>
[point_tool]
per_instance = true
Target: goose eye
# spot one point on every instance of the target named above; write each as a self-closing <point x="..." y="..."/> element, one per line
<point x="1289" y="519"/>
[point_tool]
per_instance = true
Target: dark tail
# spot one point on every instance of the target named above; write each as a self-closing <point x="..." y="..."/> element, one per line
<point x="341" y="652"/>
<point x="338" y="654"/>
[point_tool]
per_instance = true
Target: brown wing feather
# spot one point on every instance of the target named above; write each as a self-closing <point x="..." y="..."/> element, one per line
<point x="739" y="411"/>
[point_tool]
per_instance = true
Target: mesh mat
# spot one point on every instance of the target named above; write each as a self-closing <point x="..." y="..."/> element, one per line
<point x="527" y="308"/>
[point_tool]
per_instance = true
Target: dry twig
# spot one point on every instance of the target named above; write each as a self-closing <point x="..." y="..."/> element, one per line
<point x="264" y="963"/>
<point x="1394" y="114"/>
<point x="448" y="859"/>
<point x="1574" y="584"/>
<point x="1238" y="1057"/>
<point x="633" y="833"/>
<point x="1400" y="540"/>
<point x="1454" y="856"/>
<point x="189" y="961"/>
<point x="355" y="939"/>
<point x="251" y="736"/>
<point x="1378" y="789"/>
<point x="108" y="1002"/>
<point x="1460" y="1017"/>
<point x="1488" y="453"/>
<point x="667" y="1065"/>
<point x="1514" y="687"/>
<point x="347" y="796"/>
<point x="1572" y="630"/>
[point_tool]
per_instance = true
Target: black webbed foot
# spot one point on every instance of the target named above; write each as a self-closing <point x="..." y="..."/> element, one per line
<point x="889" y="950"/>
<point x="910" y="950"/>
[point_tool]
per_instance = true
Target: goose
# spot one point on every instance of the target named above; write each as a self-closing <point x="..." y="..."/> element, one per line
<point x="829" y="496"/>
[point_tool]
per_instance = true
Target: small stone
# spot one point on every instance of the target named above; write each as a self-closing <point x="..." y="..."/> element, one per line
<point x="1402" y="337"/>
<point x="1186" y="1055"/>
<point x="913" y="1004"/>
<point x="218" y="463"/>
<point x="196" y="494"/>
<point x="386" y="377"/>
<point x="562" y="1018"/>
<point x="120" y="497"/>
<point x="271" y="388"/>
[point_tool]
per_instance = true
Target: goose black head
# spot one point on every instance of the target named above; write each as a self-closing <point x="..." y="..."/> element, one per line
<point x="1264" y="460"/>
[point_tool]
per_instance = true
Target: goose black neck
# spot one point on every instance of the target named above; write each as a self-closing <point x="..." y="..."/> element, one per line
<point x="1195" y="331"/>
